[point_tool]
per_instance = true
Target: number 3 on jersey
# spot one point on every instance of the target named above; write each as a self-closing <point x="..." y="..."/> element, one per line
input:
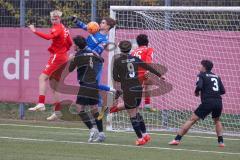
<point x="215" y="87"/>
<point x="131" y="70"/>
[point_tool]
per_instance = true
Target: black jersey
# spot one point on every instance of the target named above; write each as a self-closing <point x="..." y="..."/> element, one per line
<point x="85" y="63"/>
<point x="210" y="86"/>
<point x="125" y="70"/>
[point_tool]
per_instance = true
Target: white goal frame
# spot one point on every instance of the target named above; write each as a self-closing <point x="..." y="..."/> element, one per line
<point x="113" y="10"/>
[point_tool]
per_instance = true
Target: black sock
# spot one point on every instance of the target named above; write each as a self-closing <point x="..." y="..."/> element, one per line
<point x="178" y="138"/>
<point x="136" y="126"/>
<point x="99" y="123"/>
<point x="86" y="119"/>
<point x="220" y="139"/>
<point x="142" y="123"/>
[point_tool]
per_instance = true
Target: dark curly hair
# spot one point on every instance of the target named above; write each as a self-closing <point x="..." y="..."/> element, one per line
<point x="142" y="40"/>
<point x="207" y="64"/>
<point x="125" y="46"/>
<point x="80" y="42"/>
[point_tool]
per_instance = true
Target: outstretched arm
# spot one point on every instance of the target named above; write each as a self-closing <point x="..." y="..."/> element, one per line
<point x="52" y="35"/>
<point x="44" y="35"/>
<point x="148" y="67"/>
<point x="81" y="25"/>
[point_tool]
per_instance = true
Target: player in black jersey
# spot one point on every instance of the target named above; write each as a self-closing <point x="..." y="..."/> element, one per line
<point x="125" y="69"/>
<point x="209" y="86"/>
<point x="88" y="92"/>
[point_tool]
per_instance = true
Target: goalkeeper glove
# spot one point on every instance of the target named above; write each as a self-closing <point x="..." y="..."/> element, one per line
<point x="74" y="18"/>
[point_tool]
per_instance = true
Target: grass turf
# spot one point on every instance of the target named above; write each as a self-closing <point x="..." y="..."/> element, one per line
<point x="64" y="141"/>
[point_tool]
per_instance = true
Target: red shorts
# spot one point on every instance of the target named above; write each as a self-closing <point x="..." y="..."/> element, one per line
<point x="55" y="66"/>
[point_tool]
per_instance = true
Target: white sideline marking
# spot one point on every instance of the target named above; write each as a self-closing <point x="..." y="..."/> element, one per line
<point x="65" y="128"/>
<point x="117" y="145"/>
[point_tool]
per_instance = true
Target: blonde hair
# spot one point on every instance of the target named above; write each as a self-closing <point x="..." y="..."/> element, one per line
<point x="56" y="13"/>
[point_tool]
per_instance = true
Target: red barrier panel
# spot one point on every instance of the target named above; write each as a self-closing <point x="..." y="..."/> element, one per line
<point x="23" y="56"/>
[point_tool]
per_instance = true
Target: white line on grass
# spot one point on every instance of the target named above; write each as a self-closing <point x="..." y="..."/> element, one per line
<point x="65" y="128"/>
<point x="116" y="145"/>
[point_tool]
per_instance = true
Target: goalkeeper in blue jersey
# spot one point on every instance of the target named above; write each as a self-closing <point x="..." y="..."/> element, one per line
<point x="97" y="42"/>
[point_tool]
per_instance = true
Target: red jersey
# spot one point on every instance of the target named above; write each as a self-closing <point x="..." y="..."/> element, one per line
<point x="145" y="54"/>
<point x="61" y="40"/>
<point x="61" y="43"/>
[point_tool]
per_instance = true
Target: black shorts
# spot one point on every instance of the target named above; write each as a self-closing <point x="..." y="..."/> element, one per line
<point x="208" y="106"/>
<point x="87" y="95"/>
<point x="132" y="99"/>
<point x="86" y="101"/>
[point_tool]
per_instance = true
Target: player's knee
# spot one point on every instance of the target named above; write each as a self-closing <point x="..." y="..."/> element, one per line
<point x="95" y="115"/>
<point x="94" y="110"/>
<point x="84" y="116"/>
<point x="139" y="117"/>
<point x="193" y="119"/>
<point x="42" y="78"/>
<point x="216" y="120"/>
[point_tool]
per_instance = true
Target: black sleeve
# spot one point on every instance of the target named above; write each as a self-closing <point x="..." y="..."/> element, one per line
<point x="221" y="87"/>
<point x="98" y="58"/>
<point x="199" y="84"/>
<point x="115" y="71"/>
<point x="73" y="64"/>
<point x="148" y="67"/>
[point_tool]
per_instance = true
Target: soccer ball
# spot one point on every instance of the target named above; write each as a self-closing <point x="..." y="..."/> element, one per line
<point x="93" y="27"/>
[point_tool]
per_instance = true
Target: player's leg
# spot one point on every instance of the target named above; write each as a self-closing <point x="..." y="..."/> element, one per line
<point x="118" y="105"/>
<point x="98" y="78"/>
<point x="184" y="129"/>
<point x="105" y="107"/>
<point x="216" y="114"/>
<point x="147" y="100"/>
<point x="201" y="112"/>
<point x="146" y="136"/>
<point x="95" y="113"/>
<point x="56" y="106"/>
<point x="136" y="125"/>
<point x="219" y="131"/>
<point x="43" y="79"/>
<point x="87" y="121"/>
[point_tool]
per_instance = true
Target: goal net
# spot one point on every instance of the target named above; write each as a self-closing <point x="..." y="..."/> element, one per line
<point x="181" y="37"/>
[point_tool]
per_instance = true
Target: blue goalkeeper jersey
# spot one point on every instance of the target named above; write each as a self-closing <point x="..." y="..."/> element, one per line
<point x="95" y="42"/>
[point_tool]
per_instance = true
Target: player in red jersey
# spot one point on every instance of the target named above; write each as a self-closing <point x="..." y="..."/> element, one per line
<point x="61" y="43"/>
<point x="144" y="53"/>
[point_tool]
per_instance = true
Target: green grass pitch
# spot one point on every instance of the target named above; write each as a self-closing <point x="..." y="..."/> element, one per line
<point x="34" y="140"/>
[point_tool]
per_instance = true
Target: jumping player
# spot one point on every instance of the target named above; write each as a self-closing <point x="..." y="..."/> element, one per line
<point x="124" y="71"/>
<point x="97" y="42"/>
<point x="210" y="87"/>
<point x="85" y="61"/>
<point x="61" y="43"/>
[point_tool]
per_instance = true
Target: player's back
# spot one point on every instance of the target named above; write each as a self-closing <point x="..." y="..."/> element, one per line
<point x="212" y="86"/>
<point x="125" y="70"/>
<point x="85" y="62"/>
<point x="144" y="53"/>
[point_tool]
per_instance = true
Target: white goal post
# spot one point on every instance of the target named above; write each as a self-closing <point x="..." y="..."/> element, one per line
<point x="181" y="37"/>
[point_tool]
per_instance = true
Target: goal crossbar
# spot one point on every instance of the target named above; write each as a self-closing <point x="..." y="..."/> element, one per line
<point x="175" y="8"/>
